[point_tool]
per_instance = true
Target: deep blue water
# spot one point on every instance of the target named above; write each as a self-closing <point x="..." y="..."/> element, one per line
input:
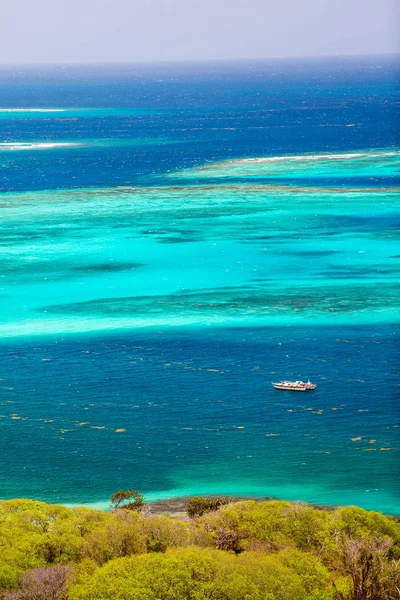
<point x="269" y="274"/>
<point x="200" y="415"/>
<point x="211" y="112"/>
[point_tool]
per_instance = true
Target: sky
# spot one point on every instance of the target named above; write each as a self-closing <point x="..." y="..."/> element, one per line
<point x="84" y="31"/>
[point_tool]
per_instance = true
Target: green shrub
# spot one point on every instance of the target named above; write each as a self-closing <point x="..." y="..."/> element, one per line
<point x="198" y="506"/>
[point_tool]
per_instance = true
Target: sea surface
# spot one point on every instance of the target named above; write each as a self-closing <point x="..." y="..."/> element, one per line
<point x="172" y="239"/>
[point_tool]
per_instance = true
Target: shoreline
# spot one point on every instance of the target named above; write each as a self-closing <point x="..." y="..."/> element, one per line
<point x="176" y="508"/>
<point x="175" y="502"/>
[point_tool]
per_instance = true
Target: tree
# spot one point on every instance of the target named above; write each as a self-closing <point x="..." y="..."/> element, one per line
<point x="365" y="561"/>
<point x="199" y="506"/>
<point x="46" y="583"/>
<point x="128" y="499"/>
<point x="121" y="535"/>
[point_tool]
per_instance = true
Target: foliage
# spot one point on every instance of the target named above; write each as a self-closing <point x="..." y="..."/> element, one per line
<point x="198" y="506"/>
<point x="46" y="583"/>
<point x="240" y="551"/>
<point x="365" y="561"/>
<point x="162" y="533"/>
<point x="120" y="535"/>
<point x="205" y="573"/>
<point x="129" y="499"/>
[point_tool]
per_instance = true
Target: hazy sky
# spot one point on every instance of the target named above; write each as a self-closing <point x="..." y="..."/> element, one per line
<point x="142" y="30"/>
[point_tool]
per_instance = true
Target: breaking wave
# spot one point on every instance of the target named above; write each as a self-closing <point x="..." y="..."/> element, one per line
<point x="36" y="110"/>
<point x="316" y="157"/>
<point x="36" y="145"/>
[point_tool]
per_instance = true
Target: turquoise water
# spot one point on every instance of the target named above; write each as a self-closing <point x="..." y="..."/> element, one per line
<point x="166" y="256"/>
<point x="228" y="254"/>
<point x="371" y="164"/>
<point x="61" y="113"/>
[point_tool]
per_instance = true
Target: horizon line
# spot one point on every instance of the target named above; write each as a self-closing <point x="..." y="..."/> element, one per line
<point x="149" y="62"/>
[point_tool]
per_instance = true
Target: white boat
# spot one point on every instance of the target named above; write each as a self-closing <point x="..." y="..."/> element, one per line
<point x="294" y="386"/>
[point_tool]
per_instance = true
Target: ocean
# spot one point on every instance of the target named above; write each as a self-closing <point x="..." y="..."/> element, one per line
<point x="174" y="238"/>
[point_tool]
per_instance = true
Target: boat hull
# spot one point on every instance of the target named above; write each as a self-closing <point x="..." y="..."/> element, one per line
<point x="294" y="386"/>
<point x="290" y="389"/>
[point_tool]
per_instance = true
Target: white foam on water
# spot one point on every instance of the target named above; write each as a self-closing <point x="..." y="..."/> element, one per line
<point x="305" y="160"/>
<point x="36" y="145"/>
<point x="316" y="157"/>
<point x="36" y="110"/>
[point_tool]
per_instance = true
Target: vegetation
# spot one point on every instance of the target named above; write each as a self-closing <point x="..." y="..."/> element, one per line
<point x="198" y="506"/>
<point x="130" y="499"/>
<point x="242" y="551"/>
